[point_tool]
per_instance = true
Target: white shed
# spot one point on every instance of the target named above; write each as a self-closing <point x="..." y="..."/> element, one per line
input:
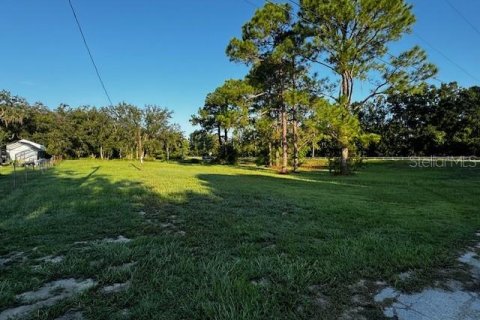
<point x="25" y="151"/>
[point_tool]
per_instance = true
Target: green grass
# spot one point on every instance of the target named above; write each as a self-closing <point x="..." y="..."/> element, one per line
<point x="241" y="225"/>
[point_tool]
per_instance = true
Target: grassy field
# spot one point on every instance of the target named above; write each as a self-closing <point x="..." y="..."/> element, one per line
<point x="225" y="242"/>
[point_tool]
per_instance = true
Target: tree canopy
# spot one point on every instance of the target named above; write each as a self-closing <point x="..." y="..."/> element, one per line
<point x="121" y="131"/>
<point x="347" y="41"/>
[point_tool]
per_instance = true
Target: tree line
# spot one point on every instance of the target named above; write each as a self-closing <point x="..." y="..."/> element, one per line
<point x="306" y="65"/>
<point x="122" y="131"/>
<point x="321" y="82"/>
<point x="437" y="121"/>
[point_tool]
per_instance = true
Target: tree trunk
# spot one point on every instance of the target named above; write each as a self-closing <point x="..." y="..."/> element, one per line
<point x="346" y="94"/>
<point x="101" y="152"/>
<point x="225" y="143"/>
<point x="270" y="154"/>
<point x="277" y="156"/>
<point x="277" y="141"/>
<point x="295" y="141"/>
<point x="284" y="141"/>
<point x="167" y="149"/>
<point x="294" y="120"/>
<point x="140" y="147"/>
<point x="219" y="134"/>
<point x="344" y="161"/>
<point x="313" y="149"/>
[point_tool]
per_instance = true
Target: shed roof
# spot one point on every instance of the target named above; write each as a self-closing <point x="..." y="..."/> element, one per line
<point x="27" y="142"/>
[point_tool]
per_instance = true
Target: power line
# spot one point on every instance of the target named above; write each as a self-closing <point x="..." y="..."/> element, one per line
<point x="251" y="3"/>
<point x="90" y="53"/>
<point x="446" y="57"/>
<point x="416" y="34"/>
<point x="395" y="57"/>
<point x="308" y="21"/>
<point x="463" y="17"/>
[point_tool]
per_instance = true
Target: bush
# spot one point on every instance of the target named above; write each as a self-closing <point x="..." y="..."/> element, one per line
<point x="228" y="154"/>
<point x="353" y="164"/>
<point x="263" y="158"/>
<point x="194" y="160"/>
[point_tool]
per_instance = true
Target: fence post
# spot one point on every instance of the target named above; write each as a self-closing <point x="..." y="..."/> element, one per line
<point x="14" y="175"/>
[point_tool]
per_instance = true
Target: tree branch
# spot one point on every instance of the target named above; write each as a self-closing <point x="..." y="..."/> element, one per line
<point x="374" y="93"/>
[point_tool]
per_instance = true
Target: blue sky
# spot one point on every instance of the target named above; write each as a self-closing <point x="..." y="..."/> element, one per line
<point x="172" y="53"/>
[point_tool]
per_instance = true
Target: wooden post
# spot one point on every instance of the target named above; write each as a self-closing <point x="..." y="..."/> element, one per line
<point x="14" y="175"/>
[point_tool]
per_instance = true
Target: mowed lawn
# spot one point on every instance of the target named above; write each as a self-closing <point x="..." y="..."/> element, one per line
<point x="220" y="242"/>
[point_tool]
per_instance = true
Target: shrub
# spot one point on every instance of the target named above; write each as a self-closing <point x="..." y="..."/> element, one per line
<point x="353" y="164"/>
<point x="228" y="154"/>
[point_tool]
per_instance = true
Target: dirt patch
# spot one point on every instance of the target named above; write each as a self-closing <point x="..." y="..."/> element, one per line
<point x="407" y="275"/>
<point x="12" y="258"/>
<point x="170" y="226"/>
<point x="52" y="259"/>
<point x="317" y="297"/>
<point x="116" y="287"/>
<point x="47" y="260"/>
<point x="72" y="315"/>
<point x="261" y="282"/>
<point x="167" y="225"/>
<point x="119" y="239"/>
<point x="46" y="296"/>
<point x="354" y="313"/>
<point x="124" y="267"/>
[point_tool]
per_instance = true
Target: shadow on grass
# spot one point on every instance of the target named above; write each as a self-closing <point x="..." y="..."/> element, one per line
<point x="63" y="206"/>
<point x="199" y="255"/>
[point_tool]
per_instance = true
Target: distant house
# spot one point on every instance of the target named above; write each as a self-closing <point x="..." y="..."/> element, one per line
<point x="25" y="151"/>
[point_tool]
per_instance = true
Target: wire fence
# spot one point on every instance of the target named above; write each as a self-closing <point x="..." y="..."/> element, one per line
<point x="431" y="158"/>
<point x="20" y="173"/>
<point x="411" y="158"/>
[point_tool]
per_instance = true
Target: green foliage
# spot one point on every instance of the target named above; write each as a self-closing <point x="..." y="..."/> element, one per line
<point x="202" y="143"/>
<point x="341" y="124"/>
<point x="433" y="121"/>
<point x="121" y="131"/>
<point x="227" y="154"/>
<point x="353" y="164"/>
<point x="350" y="40"/>
<point x="225" y="110"/>
<point x="349" y="36"/>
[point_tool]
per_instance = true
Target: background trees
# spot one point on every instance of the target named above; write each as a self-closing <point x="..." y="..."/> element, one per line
<point x="348" y="42"/>
<point x="441" y="121"/>
<point x="350" y="39"/>
<point x="121" y="131"/>
<point x="225" y="113"/>
<point x="272" y="45"/>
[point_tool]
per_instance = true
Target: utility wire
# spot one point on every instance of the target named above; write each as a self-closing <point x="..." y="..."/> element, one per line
<point x="446" y="57"/>
<point x="463" y="17"/>
<point x="90" y="53"/>
<point x="251" y="3"/>
<point x="395" y="57"/>
<point x="416" y="34"/>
